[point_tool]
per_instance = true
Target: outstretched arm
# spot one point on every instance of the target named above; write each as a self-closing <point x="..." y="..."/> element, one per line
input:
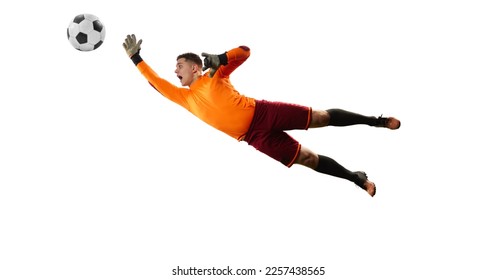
<point x="164" y="87"/>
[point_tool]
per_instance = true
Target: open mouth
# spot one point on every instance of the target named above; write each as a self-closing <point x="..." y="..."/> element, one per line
<point x="180" y="78"/>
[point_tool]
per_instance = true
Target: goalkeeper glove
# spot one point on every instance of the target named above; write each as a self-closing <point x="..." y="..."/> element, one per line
<point x="131" y="46"/>
<point x="211" y="61"/>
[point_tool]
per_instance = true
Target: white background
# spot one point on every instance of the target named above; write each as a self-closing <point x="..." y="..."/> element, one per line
<point x="103" y="178"/>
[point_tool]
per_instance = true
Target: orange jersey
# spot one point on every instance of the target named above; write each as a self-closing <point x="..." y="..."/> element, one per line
<point x="213" y="100"/>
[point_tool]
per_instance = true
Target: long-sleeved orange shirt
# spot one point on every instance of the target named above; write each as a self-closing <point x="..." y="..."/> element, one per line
<point x="213" y="100"/>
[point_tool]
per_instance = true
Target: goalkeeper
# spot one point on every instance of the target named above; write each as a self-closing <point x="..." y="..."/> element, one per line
<point x="211" y="97"/>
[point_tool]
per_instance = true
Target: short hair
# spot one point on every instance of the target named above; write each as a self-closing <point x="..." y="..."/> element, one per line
<point x="191" y="57"/>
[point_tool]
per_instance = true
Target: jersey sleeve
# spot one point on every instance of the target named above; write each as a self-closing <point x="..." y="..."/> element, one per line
<point x="235" y="58"/>
<point x="164" y="87"/>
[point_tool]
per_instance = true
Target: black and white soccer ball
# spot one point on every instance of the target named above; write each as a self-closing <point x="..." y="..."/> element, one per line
<point x="86" y="32"/>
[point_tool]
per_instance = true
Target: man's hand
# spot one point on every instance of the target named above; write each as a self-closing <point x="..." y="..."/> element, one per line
<point x="211" y="61"/>
<point x="131" y="46"/>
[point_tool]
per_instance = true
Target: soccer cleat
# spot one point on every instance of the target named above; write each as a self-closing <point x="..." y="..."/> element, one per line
<point x="390" y="122"/>
<point x="363" y="182"/>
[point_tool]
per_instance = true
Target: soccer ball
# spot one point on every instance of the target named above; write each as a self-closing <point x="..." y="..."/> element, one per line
<point x="86" y="32"/>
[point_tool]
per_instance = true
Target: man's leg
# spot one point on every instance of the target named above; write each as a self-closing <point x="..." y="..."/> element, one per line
<point x="340" y="117"/>
<point x="326" y="165"/>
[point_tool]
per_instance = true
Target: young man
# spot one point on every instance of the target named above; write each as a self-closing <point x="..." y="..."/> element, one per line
<point x="262" y="124"/>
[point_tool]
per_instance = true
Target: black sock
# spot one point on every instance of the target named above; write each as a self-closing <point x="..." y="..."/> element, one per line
<point x="329" y="166"/>
<point x="339" y="117"/>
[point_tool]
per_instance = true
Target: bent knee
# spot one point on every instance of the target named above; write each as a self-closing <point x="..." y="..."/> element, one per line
<point x="320" y="118"/>
<point x="307" y="158"/>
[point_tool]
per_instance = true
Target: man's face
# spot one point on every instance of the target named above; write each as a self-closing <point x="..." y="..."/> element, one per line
<point x="186" y="71"/>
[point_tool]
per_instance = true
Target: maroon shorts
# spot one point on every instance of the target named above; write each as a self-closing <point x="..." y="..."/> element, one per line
<point x="271" y="119"/>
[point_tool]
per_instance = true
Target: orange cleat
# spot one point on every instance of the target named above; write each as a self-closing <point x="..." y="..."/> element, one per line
<point x="364" y="183"/>
<point x="390" y="122"/>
